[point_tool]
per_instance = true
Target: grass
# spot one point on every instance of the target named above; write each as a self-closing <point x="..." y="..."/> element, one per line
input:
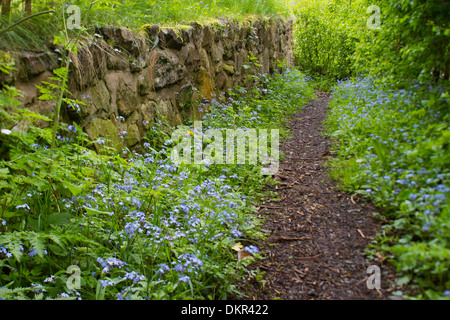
<point x="36" y="33"/>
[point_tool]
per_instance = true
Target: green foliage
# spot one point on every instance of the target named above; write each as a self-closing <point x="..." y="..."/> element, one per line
<point x="137" y="226"/>
<point x="391" y="126"/>
<point x="325" y="36"/>
<point x="37" y="32"/>
<point x="333" y="39"/>
<point x="393" y="147"/>
<point x="411" y="44"/>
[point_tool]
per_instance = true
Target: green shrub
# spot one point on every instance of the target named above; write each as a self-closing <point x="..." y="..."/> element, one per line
<point x="325" y="36"/>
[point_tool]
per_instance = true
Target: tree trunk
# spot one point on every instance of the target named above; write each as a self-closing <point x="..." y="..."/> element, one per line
<point x="6" y="8"/>
<point x="27" y="7"/>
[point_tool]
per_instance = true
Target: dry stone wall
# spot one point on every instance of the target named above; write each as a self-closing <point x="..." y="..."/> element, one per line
<point x="128" y="81"/>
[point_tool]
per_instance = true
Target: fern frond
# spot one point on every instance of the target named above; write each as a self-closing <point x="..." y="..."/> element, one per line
<point x="37" y="242"/>
<point x="56" y="239"/>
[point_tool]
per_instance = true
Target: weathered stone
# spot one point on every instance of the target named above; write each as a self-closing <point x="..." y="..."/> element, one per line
<point x="122" y="38"/>
<point x="205" y="59"/>
<point x="166" y="68"/>
<point x="30" y="93"/>
<point x="138" y="64"/>
<point x="101" y="128"/>
<point x="88" y="66"/>
<point x="126" y="99"/>
<point x="223" y="82"/>
<point x="133" y="136"/>
<point x="97" y="99"/>
<point x="152" y="30"/>
<point x="135" y="118"/>
<point x="120" y="75"/>
<point x="125" y="94"/>
<point x="228" y="68"/>
<point x="241" y="59"/>
<point x="171" y="39"/>
<point x="148" y="111"/>
<point x="216" y="52"/>
<point x="189" y="55"/>
<point x="228" y="50"/>
<point x="163" y="109"/>
<point x="265" y="61"/>
<point x="32" y="64"/>
<point x="197" y="34"/>
<point x="143" y="84"/>
<point x="219" y="67"/>
<point x="184" y="96"/>
<point x="116" y="61"/>
<point x="207" y="37"/>
<point x="204" y="83"/>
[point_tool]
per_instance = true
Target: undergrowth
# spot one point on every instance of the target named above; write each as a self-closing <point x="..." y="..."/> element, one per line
<point x="133" y="225"/>
<point x="36" y="33"/>
<point x="393" y="148"/>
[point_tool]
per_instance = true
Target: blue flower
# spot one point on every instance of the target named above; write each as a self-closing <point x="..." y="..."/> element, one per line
<point x="106" y="283"/>
<point x="185" y="279"/>
<point x="3" y="250"/>
<point x="25" y="206"/>
<point x="119" y="296"/>
<point x="72" y="128"/>
<point x="133" y="276"/>
<point x="32" y="252"/>
<point x="236" y="233"/>
<point x="251" y="249"/>
<point x="131" y="228"/>
<point x="163" y="268"/>
<point x="136" y="202"/>
<point x="413" y="196"/>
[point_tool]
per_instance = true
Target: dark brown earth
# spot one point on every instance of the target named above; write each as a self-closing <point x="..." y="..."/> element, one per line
<point x="318" y="234"/>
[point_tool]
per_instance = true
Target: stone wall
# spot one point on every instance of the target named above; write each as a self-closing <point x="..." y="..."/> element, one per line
<point x="128" y="81"/>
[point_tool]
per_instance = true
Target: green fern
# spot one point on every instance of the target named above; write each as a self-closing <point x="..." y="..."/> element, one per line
<point x="15" y="294"/>
<point x="15" y="250"/>
<point x="56" y="239"/>
<point x="37" y="243"/>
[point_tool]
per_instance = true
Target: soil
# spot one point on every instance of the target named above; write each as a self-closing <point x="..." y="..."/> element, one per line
<point x="317" y="234"/>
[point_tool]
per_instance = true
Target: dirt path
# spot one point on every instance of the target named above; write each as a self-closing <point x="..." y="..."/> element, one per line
<point x="317" y="233"/>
